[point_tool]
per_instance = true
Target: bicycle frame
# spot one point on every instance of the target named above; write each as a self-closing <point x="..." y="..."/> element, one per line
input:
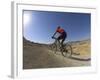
<point x="56" y="40"/>
<point x="63" y="49"/>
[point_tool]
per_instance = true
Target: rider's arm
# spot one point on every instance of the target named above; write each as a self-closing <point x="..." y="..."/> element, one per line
<point x="54" y="34"/>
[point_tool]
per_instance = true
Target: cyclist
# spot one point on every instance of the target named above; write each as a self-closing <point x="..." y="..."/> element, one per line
<point x="62" y="35"/>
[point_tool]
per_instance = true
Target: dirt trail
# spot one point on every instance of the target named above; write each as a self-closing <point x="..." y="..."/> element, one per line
<point x="38" y="56"/>
<point x="74" y="60"/>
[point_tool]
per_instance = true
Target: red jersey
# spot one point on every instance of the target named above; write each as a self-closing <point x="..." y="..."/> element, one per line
<point x="60" y="30"/>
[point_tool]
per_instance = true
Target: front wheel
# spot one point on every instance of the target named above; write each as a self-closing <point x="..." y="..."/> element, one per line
<point x="67" y="51"/>
<point x="54" y="48"/>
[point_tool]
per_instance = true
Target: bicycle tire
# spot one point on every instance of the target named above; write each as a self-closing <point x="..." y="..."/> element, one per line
<point x="67" y="51"/>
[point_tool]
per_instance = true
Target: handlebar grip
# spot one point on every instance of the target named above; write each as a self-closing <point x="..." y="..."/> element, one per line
<point x="53" y="37"/>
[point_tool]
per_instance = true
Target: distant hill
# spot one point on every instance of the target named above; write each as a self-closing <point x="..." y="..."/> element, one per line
<point x="80" y="42"/>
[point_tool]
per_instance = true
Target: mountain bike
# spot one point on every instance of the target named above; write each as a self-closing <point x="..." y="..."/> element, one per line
<point x="66" y="49"/>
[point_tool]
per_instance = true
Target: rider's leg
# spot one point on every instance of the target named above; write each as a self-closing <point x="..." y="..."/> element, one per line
<point x="62" y="42"/>
<point x="63" y="39"/>
<point x="59" y="38"/>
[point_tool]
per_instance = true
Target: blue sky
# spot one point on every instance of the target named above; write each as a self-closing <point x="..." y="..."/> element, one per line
<point x="39" y="26"/>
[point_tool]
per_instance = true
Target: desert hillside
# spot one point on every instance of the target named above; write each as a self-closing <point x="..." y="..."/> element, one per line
<point x="82" y="47"/>
<point x="37" y="55"/>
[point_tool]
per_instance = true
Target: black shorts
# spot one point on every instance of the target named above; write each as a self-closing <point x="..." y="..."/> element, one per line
<point x="62" y="36"/>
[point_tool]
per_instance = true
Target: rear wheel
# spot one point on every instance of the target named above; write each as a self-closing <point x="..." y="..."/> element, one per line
<point x="67" y="51"/>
